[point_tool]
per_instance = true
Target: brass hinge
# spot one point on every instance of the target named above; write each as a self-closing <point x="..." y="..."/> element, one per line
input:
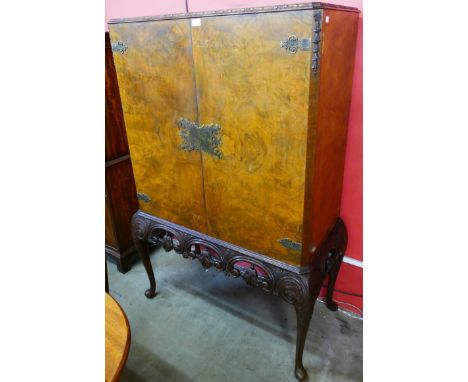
<point x="145" y="198"/>
<point x="119" y="46"/>
<point x="203" y="138"/>
<point x="290" y="244"/>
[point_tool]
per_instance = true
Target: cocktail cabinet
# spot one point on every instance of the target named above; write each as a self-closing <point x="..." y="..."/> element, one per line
<point x="237" y="124"/>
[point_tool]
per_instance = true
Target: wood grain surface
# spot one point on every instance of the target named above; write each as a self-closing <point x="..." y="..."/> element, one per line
<point x="258" y="93"/>
<point x="110" y="236"/>
<point x="117" y="339"/>
<point x="155" y="77"/>
<point x="121" y="200"/>
<point x="329" y="126"/>
<point x="283" y="130"/>
<point x="116" y="136"/>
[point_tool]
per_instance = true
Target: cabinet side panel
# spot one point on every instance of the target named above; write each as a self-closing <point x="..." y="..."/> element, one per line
<point x="257" y="91"/>
<point x="325" y="176"/>
<point x="116" y="137"/>
<point x="120" y="189"/>
<point x="110" y="237"/>
<point x="155" y="75"/>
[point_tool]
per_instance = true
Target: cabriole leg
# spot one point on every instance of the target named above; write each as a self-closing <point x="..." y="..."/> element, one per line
<point x="327" y="260"/>
<point x="304" y="314"/>
<point x="334" y="249"/>
<point x="143" y="251"/>
<point x="140" y="239"/>
<point x="332" y="276"/>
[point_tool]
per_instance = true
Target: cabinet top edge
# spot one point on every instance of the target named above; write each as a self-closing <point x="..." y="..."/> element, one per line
<point x="240" y="11"/>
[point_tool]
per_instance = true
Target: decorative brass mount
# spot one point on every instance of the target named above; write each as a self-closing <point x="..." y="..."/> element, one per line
<point x="203" y="138"/>
<point x="316" y="41"/>
<point x="293" y="44"/>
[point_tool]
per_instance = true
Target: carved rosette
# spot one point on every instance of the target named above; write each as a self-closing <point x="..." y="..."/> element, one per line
<point x="292" y="287"/>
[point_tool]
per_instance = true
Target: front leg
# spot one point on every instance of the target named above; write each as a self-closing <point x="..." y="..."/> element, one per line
<point x="295" y="289"/>
<point x="140" y="227"/>
<point x="303" y="313"/>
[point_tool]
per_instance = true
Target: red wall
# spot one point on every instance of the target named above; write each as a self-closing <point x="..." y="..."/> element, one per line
<point x="350" y="278"/>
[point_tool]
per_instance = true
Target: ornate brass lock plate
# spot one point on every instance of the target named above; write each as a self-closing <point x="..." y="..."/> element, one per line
<point x="204" y="138"/>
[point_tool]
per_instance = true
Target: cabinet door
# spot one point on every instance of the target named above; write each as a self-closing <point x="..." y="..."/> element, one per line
<point x="154" y="68"/>
<point x="258" y="92"/>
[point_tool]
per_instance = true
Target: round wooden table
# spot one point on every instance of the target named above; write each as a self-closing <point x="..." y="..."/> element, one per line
<point x="117" y="339"/>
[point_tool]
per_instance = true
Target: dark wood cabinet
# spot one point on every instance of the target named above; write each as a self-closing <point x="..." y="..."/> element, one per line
<point x="237" y="124"/>
<point x="121" y="202"/>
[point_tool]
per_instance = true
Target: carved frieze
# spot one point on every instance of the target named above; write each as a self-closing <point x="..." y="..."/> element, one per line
<point x="292" y="287"/>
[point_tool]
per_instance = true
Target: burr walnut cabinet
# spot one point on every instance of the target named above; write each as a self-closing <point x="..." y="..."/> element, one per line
<point x="237" y="123"/>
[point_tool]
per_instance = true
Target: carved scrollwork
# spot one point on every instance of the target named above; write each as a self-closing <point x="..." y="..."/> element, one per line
<point x="251" y="277"/>
<point x="292" y="289"/>
<point x="206" y="253"/>
<point x="290" y="286"/>
<point x="249" y="272"/>
<point x="169" y="239"/>
<point x="140" y="227"/>
<point x="291" y="283"/>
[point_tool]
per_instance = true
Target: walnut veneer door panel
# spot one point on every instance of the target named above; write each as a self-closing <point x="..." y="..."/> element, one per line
<point x="258" y="93"/>
<point x="156" y="81"/>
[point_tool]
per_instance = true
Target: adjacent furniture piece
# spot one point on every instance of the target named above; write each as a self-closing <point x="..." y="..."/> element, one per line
<point x="237" y="124"/>
<point x="107" y="279"/>
<point x="117" y="339"/>
<point x="121" y="202"/>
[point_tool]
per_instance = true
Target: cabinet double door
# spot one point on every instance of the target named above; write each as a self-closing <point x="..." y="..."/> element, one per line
<point x="216" y="111"/>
